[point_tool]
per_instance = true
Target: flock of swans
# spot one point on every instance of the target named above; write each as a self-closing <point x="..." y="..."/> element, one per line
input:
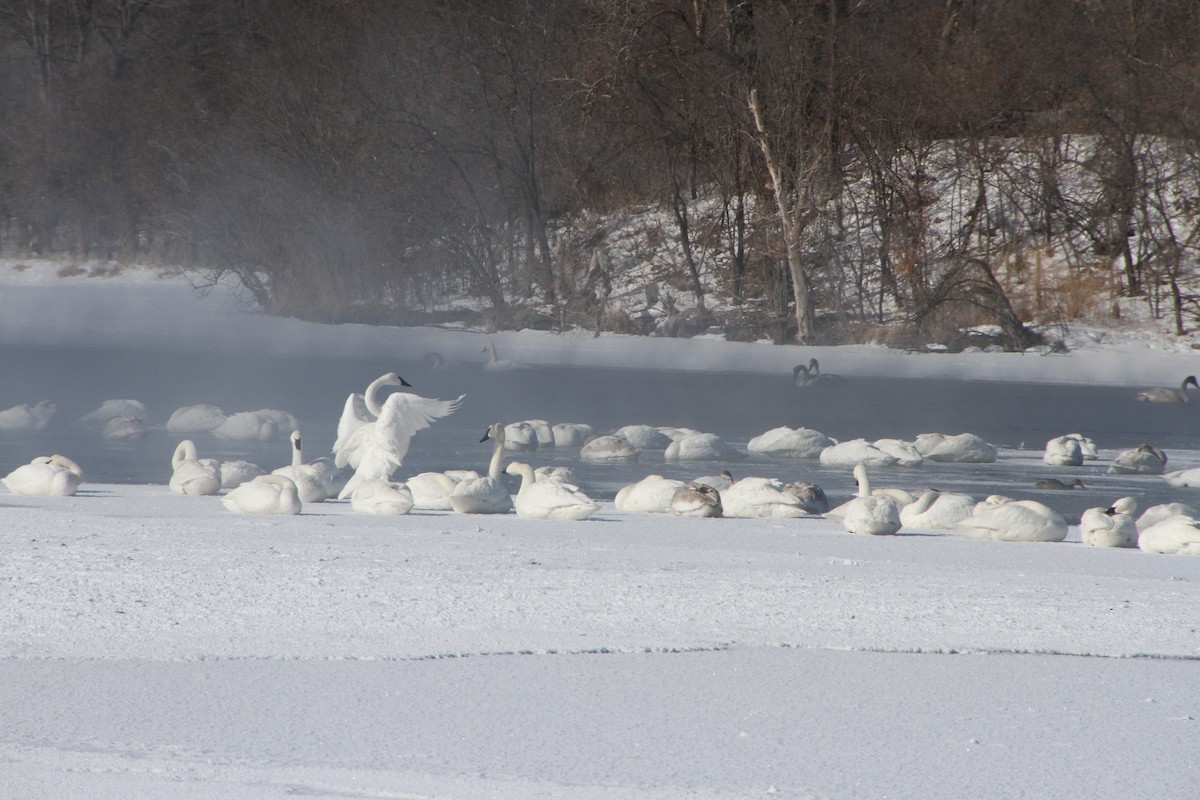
<point x="374" y="435"/>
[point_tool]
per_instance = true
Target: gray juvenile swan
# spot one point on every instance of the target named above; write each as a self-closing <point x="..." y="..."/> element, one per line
<point x="1161" y="394"/>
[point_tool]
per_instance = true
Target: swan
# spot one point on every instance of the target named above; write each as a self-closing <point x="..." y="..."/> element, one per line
<point x="431" y="490"/>
<point x="1090" y="453"/>
<point x="719" y="482"/>
<point x="1110" y="527"/>
<point x="965" y="448"/>
<point x="310" y="483"/>
<point x="374" y="438"/>
<point x="701" y="447"/>
<point x="247" y="426"/>
<point x="25" y="417"/>
<point x="545" y="433"/>
<point x="110" y="409"/>
<point x="812" y="497"/>
<point x="608" y="448"/>
<point x="193" y="419"/>
<point x="787" y="442"/>
<point x="382" y="497"/>
<point x="1174" y="535"/>
<point x="45" y="476"/>
<point x="761" y="497"/>
<point x="266" y="494"/>
<point x="1063" y="451"/>
<point x="436" y="361"/>
<point x="124" y="429"/>
<point x="560" y="474"/>
<point x="937" y="510"/>
<point x="1057" y="485"/>
<point x="1156" y="514"/>
<point x="905" y="453"/>
<point x="1161" y="394"/>
<point x="1007" y="520"/>
<point x="1189" y="478"/>
<point x="495" y="364"/>
<point x="191" y="475"/>
<point x="856" y="451"/>
<point x="486" y="495"/>
<point x="870" y="514"/>
<point x="810" y="375"/>
<point x="673" y="433"/>
<point x="651" y="495"/>
<point x="644" y="437"/>
<point x="235" y="473"/>
<point x="1146" y="459"/>
<point x="547" y="499"/>
<point x="571" y="434"/>
<point x="520" y="437"/>
<point x="696" y="500"/>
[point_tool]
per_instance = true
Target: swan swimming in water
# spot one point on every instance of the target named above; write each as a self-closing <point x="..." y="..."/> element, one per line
<point x="25" y="417"/>
<point x="1160" y="394"/>
<point x="486" y="495"/>
<point x="1110" y="527"/>
<point x="115" y="408"/>
<point x="382" y="498"/>
<point x="190" y="474"/>
<point x="193" y="419"/>
<point x="548" y="499"/>
<point x="310" y="483"/>
<point x="870" y="514"/>
<point x="124" y="429"/>
<point x="374" y="437"/>
<point x="810" y="374"/>
<point x="495" y="364"/>
<point x="266" y="494"/>
<point x="45" y="476"/>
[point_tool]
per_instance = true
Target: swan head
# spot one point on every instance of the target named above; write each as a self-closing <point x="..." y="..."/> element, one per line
<point x="296" y="440"/>
<point x="494" y="431"/>
<point x="433" y="360"/>
<point x="813" y="366"/>
<point x="1154" y="451"/>
<point x="1126" y="505"/>
<point x="392" y="379"/>
<point x="1190" y="380"/>
<point x="799" y="372"/>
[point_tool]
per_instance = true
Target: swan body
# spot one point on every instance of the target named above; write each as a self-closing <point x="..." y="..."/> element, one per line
<point x="571" y="434"/>
<point x="111" y="409"/>
<point x="548" y="499"/>
<point x="696" y="500"/>
<point x="543" y="430"/>
<point x="905" y="453"/>
<point x="1086" y="446"/>
<point x="608" y="448"/>
<point x="520" y="437"/>
<point x="431" y="490"/>
<point x="1013" y="521"/>
<point x="652" y="495"/>
<point x="235" y="473"/>
<point x="1188" y="478"/>
<point x="937" y="510"/>
<point x="787" y="442"/>
<point x="870" y="514"/>
<point x="560" y="474"/>
<point x="496" y="364"/>
<point x="856" y="451"/>
<point x="310" y="483"/>
<point x="644" y="437"/>
<point x="701" y="447"/>
<point x="1063" y="451"/>
<point x="719" y="482"/>
<point x="1110" y="527"/>
<point x="376" y="447"/>
<point x="45" y="476"/>
<point x="381" y="497"/>
<point x="1172" y="536"/>
<point x="247" y="426"/>
<point x="1156" y="514"/>
<point x="673" y="433"/>
<point x="1057" y="485"/>
<point x="761" y="497"/>
<point x="194" y="419"/>
<point x="810" y="374"/>
<point x="25" y="417"/>
<point x="1146" y="459"/>
<point x="1161" y="394"/>
<point x="965" y="448"/>
<point x="191" y="475"/>
<point x="486" y="495"/>
<point x="124" y="429"/>
<point x="812" y="497"/>
<point x="266" y="494"/>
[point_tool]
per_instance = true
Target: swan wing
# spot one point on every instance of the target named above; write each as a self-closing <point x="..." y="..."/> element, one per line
<point x="354" y="417"/>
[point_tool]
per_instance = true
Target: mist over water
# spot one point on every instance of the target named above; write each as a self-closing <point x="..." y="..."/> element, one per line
<point x="736" y="406"/>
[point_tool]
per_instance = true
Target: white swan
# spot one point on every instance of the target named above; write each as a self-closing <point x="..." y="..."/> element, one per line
<point x="571" y="434"/>
<point x="548" y="499"/>
<point x="1155" y="514"/>
<point x="200" y="418"/>
<point x="608" y="448"/>
<point x="905" y="453"/>
<point x="25" y="417"/>
<point x="761" y="497"/>
<point x="124" y="429"/>
<point x="937" y="510"/>
<point x="235" y="473"/>
<point x="787" y="442"/>
<point x="1161" y="394"/>
<point x="701" y="447"/>
<point x="520" y="437"/>
<point x="964" y="448"/>
<point x="812" y="497"/>
<point x="247" y="426"/>
<point x="310" y="483"/>
<point x="644" y="437"/>
<point x="374" y="438"/>
<point x="431" y="490"/>
<point x="45" y="476"/>
<point x="266" y="494"/>
<point x="1110" y="527"/>
<point x="1175" y="535"/>
<point x="1063" y="451"/>
<point x="190" y="474"/>
<point x="552" y="473"/>
<point x="696" y="500"/>
<point x="495" y="364"/>
<point x="1188" y="478"/>
<point x="651" y="495"/>
<point x="110" y="409"/>
<point x="1146" y="459"/>
<point x="486" y="495"/>
<point x="382" y="497"/>
<point x="1001" y="519"/>
<point x="870" y="514"/>
<point x="856" y="451"/>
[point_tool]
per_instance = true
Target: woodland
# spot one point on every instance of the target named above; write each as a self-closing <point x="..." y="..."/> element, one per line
<point x="813" y="172"/>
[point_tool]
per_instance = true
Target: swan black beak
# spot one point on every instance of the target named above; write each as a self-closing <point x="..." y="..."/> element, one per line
<point x="404" y="382"/>
<point x="486" y="436"/>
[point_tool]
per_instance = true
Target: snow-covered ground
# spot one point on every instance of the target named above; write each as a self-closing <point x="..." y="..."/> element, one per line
<point x="155" y="646"/>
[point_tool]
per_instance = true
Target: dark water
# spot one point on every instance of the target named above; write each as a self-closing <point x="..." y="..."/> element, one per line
<point x="735" y="406"/>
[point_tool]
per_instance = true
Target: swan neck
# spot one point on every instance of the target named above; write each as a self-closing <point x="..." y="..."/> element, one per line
<point x="297" y="452"/>
<point x="371" y="396"/>
<point x="864" y="484"/>
<point x="184" y="451"/>
<point x="498" y="457"/>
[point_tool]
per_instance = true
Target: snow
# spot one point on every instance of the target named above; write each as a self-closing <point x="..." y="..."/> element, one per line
<point x="154" y="646"/>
